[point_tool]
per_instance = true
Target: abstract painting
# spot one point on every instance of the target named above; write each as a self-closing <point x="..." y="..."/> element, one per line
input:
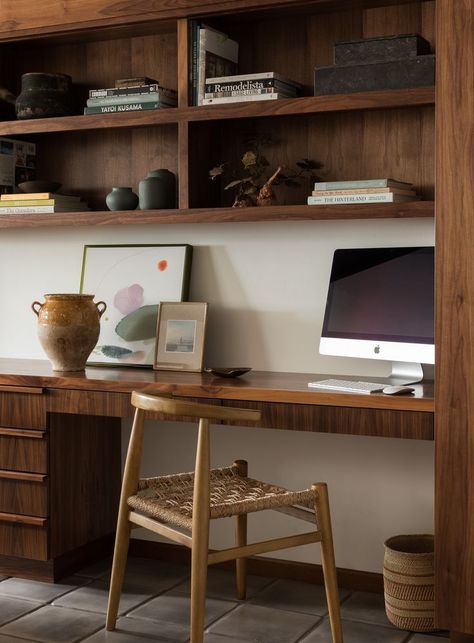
<point x="132" y="280"/>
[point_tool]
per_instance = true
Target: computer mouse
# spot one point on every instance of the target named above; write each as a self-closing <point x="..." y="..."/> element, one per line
<point x="397" y="390"/>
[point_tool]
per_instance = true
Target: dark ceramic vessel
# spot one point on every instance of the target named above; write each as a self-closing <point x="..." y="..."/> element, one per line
<point x="121" y="199"/>
<point x="158" y="190"/>
<point x="44" y="95"/>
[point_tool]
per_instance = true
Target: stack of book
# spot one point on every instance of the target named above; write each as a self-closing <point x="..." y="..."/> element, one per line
<point x="130" y="95"/>
<point x="249" y="87"/>
<point x="366" y="191"/>
<point x="40" y="203"/>
<point x="211" y="53"/>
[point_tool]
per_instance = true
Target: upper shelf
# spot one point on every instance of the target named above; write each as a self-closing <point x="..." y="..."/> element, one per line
<point x="410" y="209"/>
<point x="386" y="99"/>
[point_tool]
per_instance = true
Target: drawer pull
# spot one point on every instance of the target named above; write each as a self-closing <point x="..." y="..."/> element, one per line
<point x="32" y="390"/>
<point x="22" y="475"/>
<point x="22" y="433"/>
<point x="23" y="520"/>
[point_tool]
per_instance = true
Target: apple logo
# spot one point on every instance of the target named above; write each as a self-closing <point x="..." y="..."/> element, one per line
<point x="377" y="349"/>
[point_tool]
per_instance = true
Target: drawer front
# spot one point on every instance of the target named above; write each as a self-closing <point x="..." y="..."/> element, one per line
<point x="23" y="450"/>
<point x="23" y="536"/>
<point x="23" y="493"/>
<point x="22" y="407"/>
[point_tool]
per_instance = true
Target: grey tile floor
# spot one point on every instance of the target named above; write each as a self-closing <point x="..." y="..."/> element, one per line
<point x="155" y="608"/>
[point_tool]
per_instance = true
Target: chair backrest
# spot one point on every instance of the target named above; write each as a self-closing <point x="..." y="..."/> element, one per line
<point x="171" y="406"/>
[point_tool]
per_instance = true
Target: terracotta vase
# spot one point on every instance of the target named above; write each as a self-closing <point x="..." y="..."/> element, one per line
<point x="68" y="328"/>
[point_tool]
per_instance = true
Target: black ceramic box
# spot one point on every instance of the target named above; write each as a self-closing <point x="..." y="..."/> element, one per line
<point x="371" y="50"/>
<point x="396" y="74"/>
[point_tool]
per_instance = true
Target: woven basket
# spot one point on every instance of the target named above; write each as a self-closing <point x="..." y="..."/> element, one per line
<point x="408" y="574"/>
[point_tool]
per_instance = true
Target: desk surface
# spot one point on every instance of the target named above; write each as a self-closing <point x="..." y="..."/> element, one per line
<point x="256" y="386"/>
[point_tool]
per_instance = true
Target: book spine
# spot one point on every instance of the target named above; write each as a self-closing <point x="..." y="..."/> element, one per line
<point x="40" y="209"/>
<point x="123" y="91"/>
<point x="26" y="196"/>
<point x="241" y="99"/>
<point x="347" y="185"/>
<point x="249" y="85"/>
<point x="257" y="76"/>
<point x="127" y="100"/>
<point x="259" y="92"/>
<point x="359" y="198"/>
<point x="134" y="82"/>
<point x="132" y="107"/>
<point x="195" y="59"/>
<point x="27" y="203"/>
<point x="363" y="191"/>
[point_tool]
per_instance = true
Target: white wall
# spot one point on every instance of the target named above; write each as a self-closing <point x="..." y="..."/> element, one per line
<point x="266" y="285"/>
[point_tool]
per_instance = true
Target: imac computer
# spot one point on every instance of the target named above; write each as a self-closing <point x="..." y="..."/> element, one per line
<point x="380" y="305"/>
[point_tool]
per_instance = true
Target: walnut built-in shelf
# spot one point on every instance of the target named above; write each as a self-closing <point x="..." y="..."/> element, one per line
<point x="412" y="209"/>
<point x="386" y="99"/>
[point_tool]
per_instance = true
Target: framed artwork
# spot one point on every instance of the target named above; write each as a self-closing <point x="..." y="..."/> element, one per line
<point x="180" y="335"/>
<point x="132" y="280"/>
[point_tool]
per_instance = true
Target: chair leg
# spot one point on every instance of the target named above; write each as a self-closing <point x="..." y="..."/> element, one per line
<point x="122" y="540"/>
<point x="328" y="561"/>
<point x="241" y="539"/>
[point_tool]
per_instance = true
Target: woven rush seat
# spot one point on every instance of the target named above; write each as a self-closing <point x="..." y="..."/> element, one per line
<point x="170" y="498"/>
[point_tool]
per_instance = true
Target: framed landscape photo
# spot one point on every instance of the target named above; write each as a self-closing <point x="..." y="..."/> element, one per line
<point x="132" y="280"/>
<point x="180" y="336"/>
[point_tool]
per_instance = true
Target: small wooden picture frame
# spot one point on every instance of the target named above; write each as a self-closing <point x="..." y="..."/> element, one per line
<point x="180" y="336"/>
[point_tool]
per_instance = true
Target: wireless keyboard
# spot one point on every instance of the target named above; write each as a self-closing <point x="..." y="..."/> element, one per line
<point x="348" y="386"/>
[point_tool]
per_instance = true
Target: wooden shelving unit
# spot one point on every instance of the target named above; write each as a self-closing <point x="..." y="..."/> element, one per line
<point x="274" y="213"/>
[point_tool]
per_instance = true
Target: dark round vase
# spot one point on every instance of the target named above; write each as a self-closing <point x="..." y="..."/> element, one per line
<point x="158" y="190"/>
<point x="44" y="95"/>
<point x="121" y="199"/>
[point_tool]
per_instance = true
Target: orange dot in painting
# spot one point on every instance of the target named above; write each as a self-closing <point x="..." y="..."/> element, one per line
<point x="162" y="265"/>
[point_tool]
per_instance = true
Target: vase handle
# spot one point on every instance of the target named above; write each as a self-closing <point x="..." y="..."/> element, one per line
<point x="104" y="307"/>
<point x="36" y="303"/>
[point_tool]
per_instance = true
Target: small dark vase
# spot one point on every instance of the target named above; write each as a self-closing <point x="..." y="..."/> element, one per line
<point x="121" y="199"/>
<point x="158" y="190"/>
<point x="44" y="95"/>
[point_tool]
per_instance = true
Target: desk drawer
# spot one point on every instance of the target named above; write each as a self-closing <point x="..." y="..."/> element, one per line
<point x="23" y="450"/>
<point x="23" y="493"/>
<point x="23" y="536"/>
<point x="22" y="407"/>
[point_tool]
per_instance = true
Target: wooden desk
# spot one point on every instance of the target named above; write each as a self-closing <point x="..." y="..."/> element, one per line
<point x="60" y="445"/>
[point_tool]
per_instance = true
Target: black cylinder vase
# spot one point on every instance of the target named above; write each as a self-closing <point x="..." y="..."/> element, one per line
<point x="44" y="95"/>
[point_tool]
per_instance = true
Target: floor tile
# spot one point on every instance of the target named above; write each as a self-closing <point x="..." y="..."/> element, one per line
<point x="217" y="638"/>
<point x="39" y="592"/>
<point x="355" y="632"/>
<point x="12" y="639"/>
<point x="144" y="570"/>
<point x="295" y="596"/>
<point x="138" y="630"/>
<point x="264" y="624"/>
<point x="54" y="625"/>
<point x="174" y="607"/>
<point x="11" y="608"/>
<point x="365" y="607"/>
<point x="94" y="597"/>
<point x="440" y="637"/>
<point x="221" y="584"/>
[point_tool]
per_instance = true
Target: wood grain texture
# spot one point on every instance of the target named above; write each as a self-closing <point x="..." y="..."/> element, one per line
<point x="374" y="100"/>
<point x="23" y="540"/>
<point x="454" y="553"/>
<point x="261" y="386"/>
<point x="342" y="420"/>
<point x="23" y="453"/>
<point x="85" y="468"/>
<point x="23" y="410"/>
<point x="23" y="495"/>
<point x="18" y="21"/>
<point x="412" y="209"/>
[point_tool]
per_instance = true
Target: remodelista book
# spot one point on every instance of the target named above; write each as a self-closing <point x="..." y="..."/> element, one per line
<point x="364" y="183"/>
<point x="257" y="76"/>
<point x="250" y="85"/>
<point x="241" y="99"/>
<point x="360" y="198"/>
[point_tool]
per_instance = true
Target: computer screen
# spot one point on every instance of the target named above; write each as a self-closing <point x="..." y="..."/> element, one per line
<point x="380" y="304"/>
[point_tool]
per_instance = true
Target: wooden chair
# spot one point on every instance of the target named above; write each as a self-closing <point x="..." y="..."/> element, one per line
<point x="188" y="501"/>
